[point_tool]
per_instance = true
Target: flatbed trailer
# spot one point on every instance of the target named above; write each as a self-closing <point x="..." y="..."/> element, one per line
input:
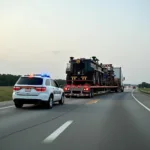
<point x="87" y="91"/>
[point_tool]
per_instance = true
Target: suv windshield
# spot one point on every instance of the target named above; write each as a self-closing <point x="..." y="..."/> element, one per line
<point x="30" y="81"/>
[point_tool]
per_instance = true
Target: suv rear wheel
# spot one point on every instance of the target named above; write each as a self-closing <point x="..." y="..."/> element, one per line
<point x="18" y="105"/>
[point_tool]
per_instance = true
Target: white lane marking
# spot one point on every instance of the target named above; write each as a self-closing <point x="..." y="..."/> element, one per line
<point x="140" y="102"/>
<point x="6" y="107"/>
<point x="56" y="133"/>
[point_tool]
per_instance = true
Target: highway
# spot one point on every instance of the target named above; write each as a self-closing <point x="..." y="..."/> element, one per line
<point x="117" y="121"/>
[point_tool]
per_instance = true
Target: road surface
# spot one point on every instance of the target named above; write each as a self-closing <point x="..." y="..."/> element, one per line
<point x="108" y="122"/>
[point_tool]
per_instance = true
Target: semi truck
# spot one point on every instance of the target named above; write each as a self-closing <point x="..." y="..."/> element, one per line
<point x="119" y="78"/>
<point x="87" y="77"/>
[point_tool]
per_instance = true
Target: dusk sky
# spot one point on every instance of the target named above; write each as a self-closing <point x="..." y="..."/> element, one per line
<point x="40" y="35"/>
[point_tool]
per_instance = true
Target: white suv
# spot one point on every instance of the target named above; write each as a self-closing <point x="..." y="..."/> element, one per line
<point x="37" y="89"/>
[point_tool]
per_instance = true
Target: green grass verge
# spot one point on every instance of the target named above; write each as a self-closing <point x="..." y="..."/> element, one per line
<point x="5" y="93"/>
<point x="145" y="90"/>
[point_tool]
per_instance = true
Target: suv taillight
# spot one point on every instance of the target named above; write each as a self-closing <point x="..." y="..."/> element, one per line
<point x="40" y="89"/>
<point x="16" y="88"/>
<point x="66" y="88"/>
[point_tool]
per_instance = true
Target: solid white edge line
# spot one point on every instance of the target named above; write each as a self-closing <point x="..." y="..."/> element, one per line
<point x="1" y="108"/>
<point x="57" y="132"/>
<point x="140" y="102"/>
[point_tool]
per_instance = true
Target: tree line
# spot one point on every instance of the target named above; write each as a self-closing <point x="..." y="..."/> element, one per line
<point x="144" y="85"/>
<point x="10" y="80"/>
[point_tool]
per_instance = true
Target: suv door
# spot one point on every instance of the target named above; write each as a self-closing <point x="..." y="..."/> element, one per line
<point x="58" y="90"/>
<point x="55" y="91"/>
<point x="48" y="85"/>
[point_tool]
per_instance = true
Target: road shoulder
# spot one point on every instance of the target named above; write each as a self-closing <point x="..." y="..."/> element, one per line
<point x="6" y="103"/>
<point x="144" y="99"/>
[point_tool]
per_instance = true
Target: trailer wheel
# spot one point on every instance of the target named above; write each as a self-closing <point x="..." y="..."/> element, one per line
<point x="91" y="94"/>
<point x="67" y="96"/>
<point x="122" y="90"/>
<point x="116" y="90"/>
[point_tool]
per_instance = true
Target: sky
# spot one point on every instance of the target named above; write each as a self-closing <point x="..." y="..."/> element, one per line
<point x="40" y="35"/>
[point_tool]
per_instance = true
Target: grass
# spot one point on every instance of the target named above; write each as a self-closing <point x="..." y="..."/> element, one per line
<point x="145" y="90"/>
<point x="6" y="93"/>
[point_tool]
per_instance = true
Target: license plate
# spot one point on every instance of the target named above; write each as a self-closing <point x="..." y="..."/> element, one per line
<point x="75" y="89"/>
<point x="27" y="90"/>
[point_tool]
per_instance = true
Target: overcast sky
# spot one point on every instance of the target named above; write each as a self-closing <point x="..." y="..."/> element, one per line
<point x="41" y="35"/>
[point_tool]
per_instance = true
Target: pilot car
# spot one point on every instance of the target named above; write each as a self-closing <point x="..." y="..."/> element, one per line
<point x="37" y="89"/>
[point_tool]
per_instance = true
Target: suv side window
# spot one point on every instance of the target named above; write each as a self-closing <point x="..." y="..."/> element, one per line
<point x="56" y="84"/>
<point x="53" y="83"/>
<point x="47" y="82"/>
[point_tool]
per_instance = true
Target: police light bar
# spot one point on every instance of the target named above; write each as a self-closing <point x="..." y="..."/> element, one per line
<point x="45" y="75"/>
<point x="41" y="75"/>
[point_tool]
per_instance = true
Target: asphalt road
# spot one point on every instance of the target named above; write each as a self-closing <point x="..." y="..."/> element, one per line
<point x="108" y="122"/>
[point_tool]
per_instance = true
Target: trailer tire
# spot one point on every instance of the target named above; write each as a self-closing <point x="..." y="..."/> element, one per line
<point x="67" y="96"/>
<point x="91" y="94"/>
